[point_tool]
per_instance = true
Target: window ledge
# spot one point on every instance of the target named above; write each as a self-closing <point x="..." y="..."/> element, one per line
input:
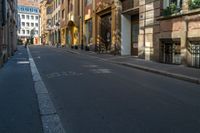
<point x="180" y="14"/>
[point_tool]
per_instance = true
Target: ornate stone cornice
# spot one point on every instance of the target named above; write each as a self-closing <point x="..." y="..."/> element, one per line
<point x="102" y="5"/>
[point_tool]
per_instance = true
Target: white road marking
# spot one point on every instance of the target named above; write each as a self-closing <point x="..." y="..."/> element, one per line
<point x="22" y="62"/>
<point x="50" y="120"/>
<point x="101" y="71"/>
<point x="63" y="74"/>
<point x="90" y="66"/>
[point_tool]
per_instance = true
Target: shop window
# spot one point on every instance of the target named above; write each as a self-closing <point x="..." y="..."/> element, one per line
<point x="170" y="51"/>
<point x="87" y="2"/>
<point x="177" y="53"/>
<point x="89" y="31"/>
<point x="194" y="51"/>
<point x="171" y="7"/>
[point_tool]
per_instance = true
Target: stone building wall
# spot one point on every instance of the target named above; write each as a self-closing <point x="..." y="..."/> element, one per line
<point x="183" y="27"/>
<point x="43" y="20"/>
<point x="34" y="3"/>
<point x="149" y="29"/>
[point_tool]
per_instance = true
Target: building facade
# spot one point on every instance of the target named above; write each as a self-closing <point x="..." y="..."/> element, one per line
<point x="179" y="38"/>
<point x="165" y="31"/>
<point x="161" y="30"/>
<point x="8" y="29"/>
<point x="29" y="14"/>
<point x="101" y="25"/>
<point x="72" y="18"/>
<point x="130" y="28"/>
<point x="56" y="13"/>
<point x="63" y="22"/>
<point x="43" y="22"/>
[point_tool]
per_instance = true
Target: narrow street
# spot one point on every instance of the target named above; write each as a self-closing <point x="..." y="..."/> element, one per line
<point x="99" y="66"/>
<point x="94" y="96"/>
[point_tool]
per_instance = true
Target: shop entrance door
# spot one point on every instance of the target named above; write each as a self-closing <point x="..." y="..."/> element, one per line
<point x="134" y="34"/>
<point x="168" y="53"/>
<point x="194" y="49"/>
<point x="105" y="32"/>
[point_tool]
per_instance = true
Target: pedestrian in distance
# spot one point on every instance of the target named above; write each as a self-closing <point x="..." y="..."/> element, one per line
<point x="26" y="44"/>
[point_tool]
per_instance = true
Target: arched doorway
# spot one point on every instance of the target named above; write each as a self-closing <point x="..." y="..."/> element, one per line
<point x="72" y="34"/>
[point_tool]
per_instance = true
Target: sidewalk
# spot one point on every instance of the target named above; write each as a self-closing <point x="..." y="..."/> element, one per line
<point x="19" y="107"/>
<point x="176" y="71"/>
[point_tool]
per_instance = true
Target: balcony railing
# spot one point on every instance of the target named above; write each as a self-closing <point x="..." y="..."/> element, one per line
<point x="129" y="4"/>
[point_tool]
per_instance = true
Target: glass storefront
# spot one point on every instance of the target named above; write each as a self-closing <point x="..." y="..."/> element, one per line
<point x="88" y="32"/>
<point x="170" y="52"/>
<point x="194" y="50"/>
<point x="134" y="34"/>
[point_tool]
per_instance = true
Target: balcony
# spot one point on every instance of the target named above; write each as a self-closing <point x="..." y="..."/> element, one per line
<point x="129" y="4"/>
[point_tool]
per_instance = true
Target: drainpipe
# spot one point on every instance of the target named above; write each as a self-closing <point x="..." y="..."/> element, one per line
<point x="184" y="53"/>
<point x="144" y="44"/>
<point x="82" y="22"/>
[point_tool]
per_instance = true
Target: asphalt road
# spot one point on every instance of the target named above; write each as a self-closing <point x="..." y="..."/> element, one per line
<point x="93" y="96"/>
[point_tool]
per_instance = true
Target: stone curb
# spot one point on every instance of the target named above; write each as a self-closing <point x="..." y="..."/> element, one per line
<point x="165" y="73"/>
<point x="50" y="120"/>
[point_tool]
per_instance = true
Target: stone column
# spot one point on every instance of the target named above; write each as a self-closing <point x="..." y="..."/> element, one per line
<point x="81" y="20"/>
<point x="94" y="23"/>
<point x="116" y="27"/>
<point x="141" y="36"/>
<point x="149" y="29"/>
<point x="185" y="6"/>
<point x="125" y="34"/>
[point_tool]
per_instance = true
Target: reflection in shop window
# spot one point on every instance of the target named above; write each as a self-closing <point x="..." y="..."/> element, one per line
<point x="193" y="48"/>
<point x="177" y="53"/>
<point x="178" y="3"/>
<point x="170" y="51"/>
<point x="89" y="31"/>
